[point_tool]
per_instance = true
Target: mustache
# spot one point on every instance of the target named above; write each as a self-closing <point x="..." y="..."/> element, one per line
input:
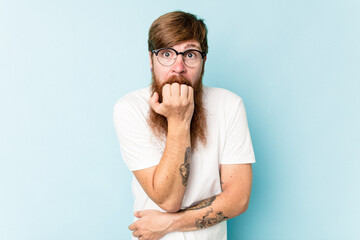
<point x="158" y="123"/>
<point x="177" y="79"/>
<point x="173" y="79"/>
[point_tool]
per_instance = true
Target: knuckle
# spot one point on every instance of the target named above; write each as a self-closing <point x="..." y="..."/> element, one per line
<point x="166" y="88"/>
<point x="184" y="102"/>
<point x="176" y="104"/>
<point x="166" y="103"/>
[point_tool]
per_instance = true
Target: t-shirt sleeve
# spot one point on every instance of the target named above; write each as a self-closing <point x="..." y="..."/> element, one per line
<point x="238" y="146"/>
<point x="138" y="147"/>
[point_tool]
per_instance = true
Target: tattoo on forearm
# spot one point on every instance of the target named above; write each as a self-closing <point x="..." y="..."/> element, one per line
<point x="202" y="204"/>
<point x="208" y="221"/>
<point x="185" y="167"/>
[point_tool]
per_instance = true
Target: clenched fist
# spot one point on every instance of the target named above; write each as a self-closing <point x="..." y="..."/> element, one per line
<point x="177" y="104"/>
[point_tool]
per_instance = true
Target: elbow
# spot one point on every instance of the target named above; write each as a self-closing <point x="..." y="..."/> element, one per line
<point x="245" y="207"/>
<point x="242" y="207"/>
<point x="171" y="207"/>
<point x="168" y="203"/>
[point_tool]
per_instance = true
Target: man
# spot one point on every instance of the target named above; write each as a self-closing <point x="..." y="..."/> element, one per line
<point x="187" y="145"/>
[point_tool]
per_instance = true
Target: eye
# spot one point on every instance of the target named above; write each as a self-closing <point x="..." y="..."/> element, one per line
<point x="191" y="55"/>
<point x="166" y="54"/>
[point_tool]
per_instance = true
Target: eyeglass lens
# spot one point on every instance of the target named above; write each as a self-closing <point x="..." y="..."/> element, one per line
<point x="167" y="57"/>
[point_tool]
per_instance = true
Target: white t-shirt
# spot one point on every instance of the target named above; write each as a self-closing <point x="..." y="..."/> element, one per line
<point x="228" y="142"/>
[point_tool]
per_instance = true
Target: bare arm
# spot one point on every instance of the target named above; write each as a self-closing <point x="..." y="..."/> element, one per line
<point x="233" y="201"/>
<point x="165" y="183"/>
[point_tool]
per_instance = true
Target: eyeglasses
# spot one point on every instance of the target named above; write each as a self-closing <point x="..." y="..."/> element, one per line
<point x="168" y="56"/>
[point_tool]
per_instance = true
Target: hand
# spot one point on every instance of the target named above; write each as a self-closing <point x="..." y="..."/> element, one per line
<point x="178" y="102"/>
<point x="152" y="224"/>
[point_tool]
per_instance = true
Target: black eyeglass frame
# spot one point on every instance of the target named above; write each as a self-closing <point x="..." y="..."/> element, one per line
<point x="177" y="53"/>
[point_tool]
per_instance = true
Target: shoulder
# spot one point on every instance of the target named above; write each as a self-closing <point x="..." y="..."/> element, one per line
<point x="132" y="108"/>
<point x="220" y="96"/>
<point x="135" y="100"/>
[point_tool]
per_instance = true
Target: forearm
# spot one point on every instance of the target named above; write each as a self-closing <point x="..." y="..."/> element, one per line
<point x="209" y="212"/>
<point x="171" y="175"/>
<point x="165" y="183"/>
<point x="236" y="182"/>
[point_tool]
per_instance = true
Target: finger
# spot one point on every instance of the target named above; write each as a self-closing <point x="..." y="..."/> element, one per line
<point x="166" y="91"/>
<point x="132" y="227"/>
<point x="137" y="214"/>
<point x="136" y="234"/>
<point x="140" y="214"/>
<point x="175" y="89"/>
<point x="191" y="94"/>
<point x="154" y="102"/>
<point x="154" y="98"/>
<point x="184" y="91"/>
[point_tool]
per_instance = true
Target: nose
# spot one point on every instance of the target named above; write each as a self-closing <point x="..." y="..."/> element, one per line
<point x="179" y="65"/>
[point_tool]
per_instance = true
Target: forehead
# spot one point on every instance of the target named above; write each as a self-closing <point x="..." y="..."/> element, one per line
<point x="187" y="45"/>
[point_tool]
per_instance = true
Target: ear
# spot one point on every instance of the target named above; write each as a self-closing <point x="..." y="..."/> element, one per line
<point x="205" y="58"/>
<point x="151" y="62"/>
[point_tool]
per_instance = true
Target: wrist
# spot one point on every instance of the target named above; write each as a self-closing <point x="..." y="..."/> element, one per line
<point x="175" y="225"/>
<point x="178" y="121"/>
<point x="178" y="127"/>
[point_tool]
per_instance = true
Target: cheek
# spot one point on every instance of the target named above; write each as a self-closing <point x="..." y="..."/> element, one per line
<point x="160" y="75"/>
<point x="198" y="73"/>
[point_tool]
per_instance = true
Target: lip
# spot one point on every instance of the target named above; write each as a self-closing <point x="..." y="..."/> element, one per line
<point x="178" y="79"/>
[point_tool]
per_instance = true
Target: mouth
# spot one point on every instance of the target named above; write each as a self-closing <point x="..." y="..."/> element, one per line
<point x="178" y="79"/>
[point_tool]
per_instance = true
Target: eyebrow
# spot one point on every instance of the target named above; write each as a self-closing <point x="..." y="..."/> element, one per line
<point x="192" y="45"/>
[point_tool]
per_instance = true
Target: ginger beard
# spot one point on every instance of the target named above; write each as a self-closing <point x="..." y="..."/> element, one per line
<point x="158" y="123"/>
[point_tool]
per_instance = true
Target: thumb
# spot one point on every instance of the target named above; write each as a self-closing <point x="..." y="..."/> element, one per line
<point x="139" y="214"/>
<point x="154" y="102"/>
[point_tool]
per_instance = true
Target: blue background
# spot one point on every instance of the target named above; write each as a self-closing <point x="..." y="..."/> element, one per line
<point x="63" y="65"/>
